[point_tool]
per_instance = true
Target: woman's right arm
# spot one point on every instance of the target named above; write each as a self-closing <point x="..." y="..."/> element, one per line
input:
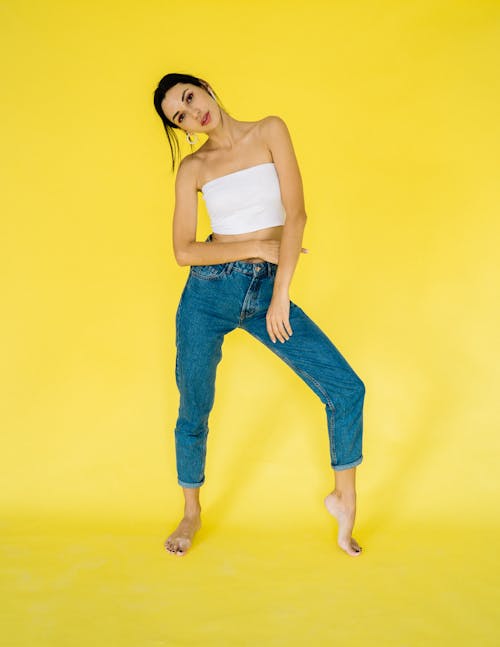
<point x="187" y="250"/>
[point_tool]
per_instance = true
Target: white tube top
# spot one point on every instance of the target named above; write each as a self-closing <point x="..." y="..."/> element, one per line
<point x="244" y="200"/>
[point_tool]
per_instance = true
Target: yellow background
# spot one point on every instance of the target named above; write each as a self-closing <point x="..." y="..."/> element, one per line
<point x="393" y="110"/>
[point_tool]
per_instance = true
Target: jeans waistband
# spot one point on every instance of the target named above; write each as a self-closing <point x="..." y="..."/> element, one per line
<point x="260" y="268"/>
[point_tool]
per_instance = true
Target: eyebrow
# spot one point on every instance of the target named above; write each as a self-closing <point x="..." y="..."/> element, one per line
<point x="182" y="99"/>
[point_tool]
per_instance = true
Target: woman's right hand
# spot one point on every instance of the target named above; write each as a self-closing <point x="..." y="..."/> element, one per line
<point x="270" y="249"/>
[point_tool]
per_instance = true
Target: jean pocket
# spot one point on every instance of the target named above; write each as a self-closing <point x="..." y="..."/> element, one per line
<point x="209" y="271"/>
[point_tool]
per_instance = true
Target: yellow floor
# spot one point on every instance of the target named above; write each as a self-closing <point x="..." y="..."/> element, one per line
<point x="70" y="584"/>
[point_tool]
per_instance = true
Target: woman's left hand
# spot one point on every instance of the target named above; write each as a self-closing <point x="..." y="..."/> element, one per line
<point x="277" y="318"/>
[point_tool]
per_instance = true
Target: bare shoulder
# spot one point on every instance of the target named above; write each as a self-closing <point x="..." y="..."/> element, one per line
<point x="273" y="127"/>
<point x="187" y="173"/>
<point x="272" y="121"/>
<point x="276" y="136"/>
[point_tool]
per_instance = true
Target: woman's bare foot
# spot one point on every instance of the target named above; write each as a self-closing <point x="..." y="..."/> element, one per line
<point x="344" y="510"/>
<point x="180" y="540"/>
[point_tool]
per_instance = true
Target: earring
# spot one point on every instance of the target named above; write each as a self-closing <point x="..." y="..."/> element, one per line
<point x="188" y="137"/>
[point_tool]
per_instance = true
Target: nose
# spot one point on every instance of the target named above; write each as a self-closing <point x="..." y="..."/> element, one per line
<point x="197" y="114"/>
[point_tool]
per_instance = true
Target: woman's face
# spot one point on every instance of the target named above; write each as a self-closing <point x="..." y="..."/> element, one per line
<point x="187" y="105"/>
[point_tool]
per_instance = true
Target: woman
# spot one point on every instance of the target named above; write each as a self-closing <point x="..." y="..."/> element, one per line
<point x="249" y="177"/>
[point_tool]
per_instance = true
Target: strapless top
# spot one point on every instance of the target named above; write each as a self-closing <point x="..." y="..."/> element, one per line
<point x="244" y="200"/>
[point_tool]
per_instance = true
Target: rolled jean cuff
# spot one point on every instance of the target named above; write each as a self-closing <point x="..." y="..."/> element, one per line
<point x="346" y="466"/>
<point x="190" y="485"/>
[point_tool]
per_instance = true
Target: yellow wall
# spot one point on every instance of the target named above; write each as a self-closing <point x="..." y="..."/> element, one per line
<point x="393" y="110"/>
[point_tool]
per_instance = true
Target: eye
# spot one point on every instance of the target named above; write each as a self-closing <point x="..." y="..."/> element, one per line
<point x="189" y="97"/>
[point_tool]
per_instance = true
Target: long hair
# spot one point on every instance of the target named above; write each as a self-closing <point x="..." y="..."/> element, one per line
<point x="168" y="81"/>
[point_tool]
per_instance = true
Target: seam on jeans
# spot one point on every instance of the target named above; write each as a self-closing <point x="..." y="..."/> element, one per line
<point x="329" y="402"/>
<point x="331" y="429"/>
<point x="243" y="305"/>
<point x="209" y="277"/>
<point x="300" y="370"/>
<point x="178" y="313"/>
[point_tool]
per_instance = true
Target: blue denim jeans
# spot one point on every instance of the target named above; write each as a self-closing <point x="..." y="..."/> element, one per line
<point x="215" y="300"/>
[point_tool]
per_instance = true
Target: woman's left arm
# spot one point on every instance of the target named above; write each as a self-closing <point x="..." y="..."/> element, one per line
<point x="292" y="196"/>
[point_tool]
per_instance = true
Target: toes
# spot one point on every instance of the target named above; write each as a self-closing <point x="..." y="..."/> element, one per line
<point x="177" y="545"/>
<point x="351" y="547"/>
<point x="355" y="545"/>
<point x="181" y="549"/>
<point x="173" y="549"/>
<point x="354" y="548"/>
<point x="170" y="546"/>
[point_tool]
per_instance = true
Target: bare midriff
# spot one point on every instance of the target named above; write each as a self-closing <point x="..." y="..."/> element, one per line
<point x="269" y="233"/>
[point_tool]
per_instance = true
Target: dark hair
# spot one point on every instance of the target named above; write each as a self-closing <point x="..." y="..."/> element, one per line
<point x="165" y="84"/>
